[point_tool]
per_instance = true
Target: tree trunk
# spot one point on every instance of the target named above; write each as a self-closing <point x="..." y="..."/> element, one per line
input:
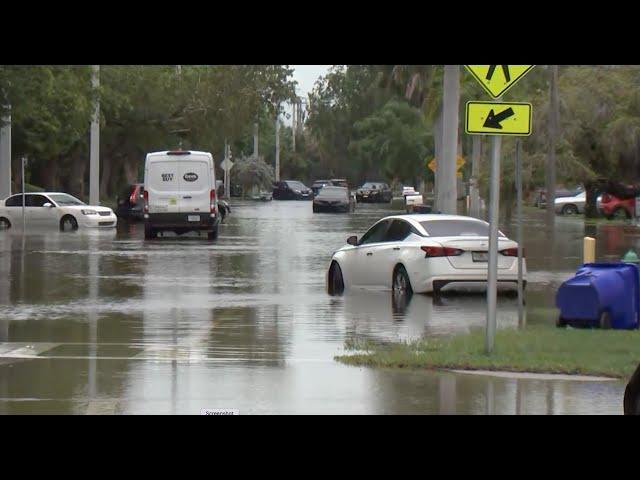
<point x="592" y="190"/>
<point x="553" y="136"/>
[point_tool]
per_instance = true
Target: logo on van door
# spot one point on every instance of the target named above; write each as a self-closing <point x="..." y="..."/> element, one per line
<point x="167" y="177"/>
<point x="190" y="177"/>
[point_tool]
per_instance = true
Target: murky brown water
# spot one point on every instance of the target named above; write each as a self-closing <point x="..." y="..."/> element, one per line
<point x="102" y="322"/>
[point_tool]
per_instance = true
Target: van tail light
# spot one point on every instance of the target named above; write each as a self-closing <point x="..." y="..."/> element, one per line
<point x="213" y="201"/>
<point x="441" y="251"/>
<point x="145" y="194"/>
<point x="511" y="252"/>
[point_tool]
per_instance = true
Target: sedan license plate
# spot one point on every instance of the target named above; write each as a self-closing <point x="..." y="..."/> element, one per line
<point x="193" y="218"/>
<point x="480" y="256"/>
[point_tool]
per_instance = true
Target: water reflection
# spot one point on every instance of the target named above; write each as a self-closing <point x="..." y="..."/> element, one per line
<point x="120" y="325"/>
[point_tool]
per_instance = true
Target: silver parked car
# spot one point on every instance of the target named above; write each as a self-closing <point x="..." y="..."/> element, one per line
<point x="334" y="199"/>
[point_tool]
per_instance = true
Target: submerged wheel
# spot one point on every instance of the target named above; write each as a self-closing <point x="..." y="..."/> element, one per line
<point x="150" y="233"/>
<point x="68" y="224"/>
<point x="621" y="213"/>
<point x="605" y="320"/>
<point x="401" y="282"/>
<point x="336" y="281"/>
<point x="5" y="224"/>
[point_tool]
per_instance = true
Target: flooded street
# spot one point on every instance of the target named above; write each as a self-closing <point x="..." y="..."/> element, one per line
<point x="104" y="322"/>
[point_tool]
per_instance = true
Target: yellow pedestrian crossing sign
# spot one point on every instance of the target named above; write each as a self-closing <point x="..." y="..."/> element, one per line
<point x="497" y="118"/>
<point x="497" y="79"/>
<point x="460" y="161"/>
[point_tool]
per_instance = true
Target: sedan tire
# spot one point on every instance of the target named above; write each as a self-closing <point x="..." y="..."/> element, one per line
<point x="570" y="210"/>
<point x="68" y="224"/>
<point x="336" y="280"/>
<point x="5" y="224"/>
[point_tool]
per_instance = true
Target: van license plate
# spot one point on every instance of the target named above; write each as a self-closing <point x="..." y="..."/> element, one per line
<point x="480" y="256"/>
<point x="193" y="218"/>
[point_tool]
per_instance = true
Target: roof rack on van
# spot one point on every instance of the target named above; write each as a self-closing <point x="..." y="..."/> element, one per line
<point x="179" y="152"/>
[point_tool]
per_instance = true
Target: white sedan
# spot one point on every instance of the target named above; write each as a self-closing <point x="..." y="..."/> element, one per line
<point x="422" y="253"/>
<point x="54" y="210"/>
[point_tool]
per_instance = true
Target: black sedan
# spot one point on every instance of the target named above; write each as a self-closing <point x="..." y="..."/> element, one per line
<point x="334" y="199"/>
<point x="291" y="190"/>
<point x="374" y="192"/>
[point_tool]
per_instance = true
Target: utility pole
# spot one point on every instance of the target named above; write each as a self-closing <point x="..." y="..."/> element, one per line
<point x="447" y="184"/>
<point x="277" y="145"/>
<point x="293" y="125"/>
<point x="94" y="159"/>
<point x="5" y="156"/>
<point x="551" y="154"/>
<point x="255" y="140"/>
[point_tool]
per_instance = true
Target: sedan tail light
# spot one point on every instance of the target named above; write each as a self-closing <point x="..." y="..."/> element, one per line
<point x="145" y="195"/>
<point x="511" y="252"/>
<point x="441" y="251"/>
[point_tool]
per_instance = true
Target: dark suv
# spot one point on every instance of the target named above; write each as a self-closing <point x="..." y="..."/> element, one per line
<point x="291" y="190"/>
<point x="131" y="202"/>
<point x="374" y="192"/>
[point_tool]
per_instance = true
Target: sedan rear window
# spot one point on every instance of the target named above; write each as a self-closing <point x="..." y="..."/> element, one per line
<point x="456" y="228"/>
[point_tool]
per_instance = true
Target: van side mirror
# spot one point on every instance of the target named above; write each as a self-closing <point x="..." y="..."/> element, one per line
<point x="353" y="240"/>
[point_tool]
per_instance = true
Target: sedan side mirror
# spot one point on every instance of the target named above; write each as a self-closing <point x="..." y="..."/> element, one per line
<point x="353" y="240"/>
<point x="48" y="205"/>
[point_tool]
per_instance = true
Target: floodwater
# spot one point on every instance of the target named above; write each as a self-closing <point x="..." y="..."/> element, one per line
<point x="106" y="323"/>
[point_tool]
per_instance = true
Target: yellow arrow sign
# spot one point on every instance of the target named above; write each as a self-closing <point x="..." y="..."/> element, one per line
<point x="459" y="164"/>
<point x="497" y="79"/>
<point x="497" y="118"/>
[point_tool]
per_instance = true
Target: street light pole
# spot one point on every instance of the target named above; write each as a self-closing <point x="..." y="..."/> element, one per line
<point x="94" y="160"/>
<point x="5" y="155"/>
<point x="24" y="183"/>
<point x="447" y="184"/>
<point x="277" y="146"/>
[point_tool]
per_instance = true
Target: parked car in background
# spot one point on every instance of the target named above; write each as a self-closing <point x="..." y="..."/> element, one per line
<point x="374" y="192"/>
<point x="340" y="182"/>
<point x="54" y="210"/>
<point x="334" y="199"/>
<point x="422" y="253"/>
<point x="571" y="205"/>
<point x="541" y="197"/>
<point x="613" y="207"/>
<point x="318" y="185"/>
<point x="130" y="202"/>
<point x="291" y="190"/>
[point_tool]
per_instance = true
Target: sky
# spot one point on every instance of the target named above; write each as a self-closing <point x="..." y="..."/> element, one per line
<point x="306" y="75"/>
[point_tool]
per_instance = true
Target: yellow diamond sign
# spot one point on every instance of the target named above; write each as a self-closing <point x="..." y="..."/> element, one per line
<point x="459" y="164"/>
<point x="497" y="79"/>
<point x="497" y="118"/>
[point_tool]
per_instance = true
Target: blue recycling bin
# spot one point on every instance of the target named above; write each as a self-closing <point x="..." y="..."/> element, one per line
<point x="605" y="295"/>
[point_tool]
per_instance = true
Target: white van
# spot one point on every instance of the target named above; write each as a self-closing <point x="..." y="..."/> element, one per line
<point x="179" y="194"/>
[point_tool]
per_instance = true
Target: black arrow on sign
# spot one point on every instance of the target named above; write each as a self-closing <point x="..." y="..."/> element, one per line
<point x="505" y="70"/>
<point x="493" y="120"/>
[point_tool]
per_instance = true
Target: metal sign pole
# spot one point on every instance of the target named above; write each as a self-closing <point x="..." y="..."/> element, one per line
<point x="520" y="236"/>
<point x="24" y="218"/>
<point x="492" y="284"/>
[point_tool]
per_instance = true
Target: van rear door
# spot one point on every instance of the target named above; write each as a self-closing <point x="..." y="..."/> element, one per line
<point x="195" y="185"/>
<point x="163" y="184"/>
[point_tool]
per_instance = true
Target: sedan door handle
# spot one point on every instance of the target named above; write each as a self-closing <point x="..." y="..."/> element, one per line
<point x="396" y="248"/>
<point x="187" y="198"/>
<point x="369" y="254"/>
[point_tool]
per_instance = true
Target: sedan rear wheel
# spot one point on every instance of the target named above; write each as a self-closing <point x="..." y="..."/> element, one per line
<point x="401" y="282"/>
<point x="5" y="224"/>
<point x="569" y="210"/>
